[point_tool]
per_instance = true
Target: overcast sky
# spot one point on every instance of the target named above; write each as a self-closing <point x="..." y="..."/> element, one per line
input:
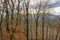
<point x="56" y="10"/>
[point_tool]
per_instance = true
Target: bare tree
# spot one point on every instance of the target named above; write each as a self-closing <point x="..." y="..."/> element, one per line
<point x="27" y="7"/>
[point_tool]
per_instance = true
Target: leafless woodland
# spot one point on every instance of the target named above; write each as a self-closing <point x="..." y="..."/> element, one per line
<point x="19" y="22"/>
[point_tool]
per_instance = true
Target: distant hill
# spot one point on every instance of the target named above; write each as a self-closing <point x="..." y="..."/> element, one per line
<point x="51" y="16"/>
